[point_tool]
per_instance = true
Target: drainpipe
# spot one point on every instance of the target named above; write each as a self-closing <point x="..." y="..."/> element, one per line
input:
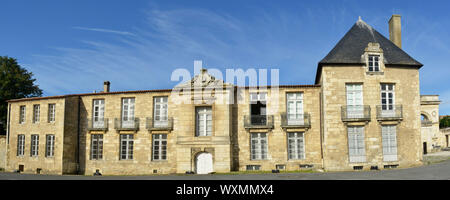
<point x="321" y="128"/>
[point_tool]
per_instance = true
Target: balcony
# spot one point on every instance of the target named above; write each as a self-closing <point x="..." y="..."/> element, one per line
<point x="98" y="125"/>
<point x="426" y="123"/>
<point x="126" y="125"/>
<point x="296" y="121"/>
<point x="392" y="112"/>
<point x="355" y="113"/>
<point x="258" y="121"/>
<point x="153" y="125"/>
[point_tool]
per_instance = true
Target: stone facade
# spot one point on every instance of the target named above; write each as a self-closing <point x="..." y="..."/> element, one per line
<point x="244" y="128"/>
<point x="432" y="139"/>
<point x="2" y="151"/>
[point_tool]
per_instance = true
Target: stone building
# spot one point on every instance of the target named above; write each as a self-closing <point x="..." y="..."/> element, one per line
<point x="432" y="139"/>
<point x="362" y="112"/>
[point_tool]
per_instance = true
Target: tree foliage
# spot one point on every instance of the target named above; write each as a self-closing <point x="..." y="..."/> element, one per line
<point x="444" y="122"/>
<point x="15" y="82"/>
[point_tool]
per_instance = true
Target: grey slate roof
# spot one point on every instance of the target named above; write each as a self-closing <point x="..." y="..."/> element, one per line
<point x="350" y="48"/>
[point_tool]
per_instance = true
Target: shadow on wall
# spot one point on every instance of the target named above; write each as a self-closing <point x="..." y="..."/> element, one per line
<point x="2" y="152"/>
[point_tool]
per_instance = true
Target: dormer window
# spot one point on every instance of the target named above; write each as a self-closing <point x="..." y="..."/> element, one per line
<point x="374" y="63"/>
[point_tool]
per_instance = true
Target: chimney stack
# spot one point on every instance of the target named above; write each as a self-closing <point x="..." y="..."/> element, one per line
<point x="106" y="86"/>
<point x="395" y="30"/>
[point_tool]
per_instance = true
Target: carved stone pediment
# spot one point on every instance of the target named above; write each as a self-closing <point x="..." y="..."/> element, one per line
<point x="204" y="79"/>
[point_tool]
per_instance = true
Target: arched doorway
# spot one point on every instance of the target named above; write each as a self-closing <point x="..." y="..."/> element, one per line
<point x="204" y="163"/>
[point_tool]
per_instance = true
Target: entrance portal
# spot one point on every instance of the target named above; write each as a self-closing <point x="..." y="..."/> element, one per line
<point x="204" y="163"/>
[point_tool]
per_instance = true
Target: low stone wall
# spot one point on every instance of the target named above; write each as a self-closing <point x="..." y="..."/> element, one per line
<point x="2" y="152"/>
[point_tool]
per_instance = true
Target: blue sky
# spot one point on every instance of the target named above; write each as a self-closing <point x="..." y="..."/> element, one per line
<point x="72" y="46"/>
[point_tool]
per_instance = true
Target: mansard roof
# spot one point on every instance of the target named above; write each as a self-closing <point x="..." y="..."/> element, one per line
<point x="350" y="48"/>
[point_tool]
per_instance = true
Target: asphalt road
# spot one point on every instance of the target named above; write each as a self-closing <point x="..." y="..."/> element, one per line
<point x="437" y="171"/>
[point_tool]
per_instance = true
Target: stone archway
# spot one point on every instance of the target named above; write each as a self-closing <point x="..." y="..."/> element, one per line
<point x="204" y="163"/>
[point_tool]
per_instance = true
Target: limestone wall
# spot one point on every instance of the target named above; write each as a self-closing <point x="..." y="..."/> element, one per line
<point x="333" y="81"/>
<point x="2" y="151"/>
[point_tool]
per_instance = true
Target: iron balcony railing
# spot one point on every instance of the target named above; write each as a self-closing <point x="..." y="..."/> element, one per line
<point x="295" y="121"/>
<point x="355" y="113"/>
<point x="159" y="124"/>
<point x="258" y="121"/>
<point x="389" y="112"/>
<point x="126" y="125"/>
<point x="98" y="124"/>
<point x="426" y="123"/>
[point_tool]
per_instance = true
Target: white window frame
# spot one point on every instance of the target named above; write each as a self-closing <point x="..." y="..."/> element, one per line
<point x="98" y="113"/>
<point x="387" y="108"/>
<point x="34" y="150"/>
<point x="296" y="145"/>
<point x="126" y="146"/>
<point x="389" y="140"/>
<point x="374" y="63"/>
<point x="294" y="115"/>
<point x="160" y="111"/>
<point x="51" y="112"/>
<point x="128" y="108"/>
<point x="50" y="145"/>
<point x="159" y="151"/>
<point x="20" y="145"/>
<point x="355" y="101"/>
<point x="356" y="144"/>
<point x="22" y="114"/>
<point x="96" y="146"/>
<point x="204" y="121"/>
<point x="36" y="113"/>
<point x="258" y="146"/>
<point x="258" y="96"/>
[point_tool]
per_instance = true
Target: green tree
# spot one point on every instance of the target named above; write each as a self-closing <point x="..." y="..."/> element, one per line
<point x="444" y="122"/>
<point x="15" y="82"/>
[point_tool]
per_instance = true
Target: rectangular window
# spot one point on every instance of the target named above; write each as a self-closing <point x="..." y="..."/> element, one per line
<point x="258" y="109"/>
<point x="96" y="146"/>
<point x="356" y="145"/>
<point x="36" y="113"/>
<point x="253" y="167"/>
<point x="296" y="147"/>
<point x="160" y="147"/>
<point x="387" y="100"/>
<point x="50" y="146"/>
<point x="258" y="146"/>
<point x="22" y="114"/>
<point x="128" y="113"/>
<point x="204" y="121"/>
<point x="389" y="138"/>
<point x="20" y="145"/>
<point x="126" y="146"/>
<point x="34" y="145"/>
<point x="294" y="108"/>
<point x="374" y="64"/>
<point x="98" y="113"/>
<point x="355" y="108"/>
<point x="51" y="112"/>
<point x="160" y="112"/>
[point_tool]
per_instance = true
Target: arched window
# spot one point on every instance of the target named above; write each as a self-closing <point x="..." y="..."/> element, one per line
<point x="425" y="121"/>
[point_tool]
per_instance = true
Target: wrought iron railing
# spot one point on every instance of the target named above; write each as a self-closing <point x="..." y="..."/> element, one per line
<point x="355" y="113"/>
<point x="295" y="121"/>
<point x="258" y="121"/>
<point x="124" y="125"/>
<point x="389" y="112"/>
<point x="98" y="125"/>
<point x="426" y="123"/>
<point x="160" y="124"/>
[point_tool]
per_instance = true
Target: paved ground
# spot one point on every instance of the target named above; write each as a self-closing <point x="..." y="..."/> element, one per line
<point x="435" y="171"/>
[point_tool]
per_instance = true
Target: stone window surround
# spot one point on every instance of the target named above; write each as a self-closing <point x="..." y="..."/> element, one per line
<point x="373" y="49"/>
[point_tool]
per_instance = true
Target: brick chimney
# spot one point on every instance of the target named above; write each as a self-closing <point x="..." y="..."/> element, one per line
<point x="395" y="30"/>
<point x="106" y="86"/>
